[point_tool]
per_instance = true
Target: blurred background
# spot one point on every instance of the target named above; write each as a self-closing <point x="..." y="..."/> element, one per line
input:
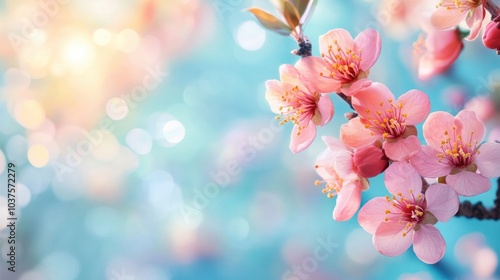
<point x="144" y="147"/>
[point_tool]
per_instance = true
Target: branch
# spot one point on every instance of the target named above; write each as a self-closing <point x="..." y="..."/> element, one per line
<point x="478" y="211"/>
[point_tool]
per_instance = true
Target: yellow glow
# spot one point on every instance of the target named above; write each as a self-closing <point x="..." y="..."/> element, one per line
<point x="38" y="155"/>
<point x="127" y="40"/>
<point x="102" y="37"/>
<point x="78" y="54"/>
<point x="29" y="113"/>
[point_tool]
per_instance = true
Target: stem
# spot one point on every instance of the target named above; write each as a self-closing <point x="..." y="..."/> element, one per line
<point x="478" y="211"/>
<point x="346" y="98"/>
<point x="492" y="8"/>
<point x="305" y="47"/>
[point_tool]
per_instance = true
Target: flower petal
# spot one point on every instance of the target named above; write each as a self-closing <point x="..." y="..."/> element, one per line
<point x="356" y="87"/>
<point x="470" y="122"/>
<point x="311" y="68"/>
<point x="442" y="201"/>
<point x="354" y="134"/>
<point x="298" y="143"/>
<point x="475" y="22"/>
<point x="274" y="92"/>
<point x="372" y="214"/>
<point x="343" y="164"/>
<point x="335" y="38"/>
<point x="326" y="109"/>
<point x="443" y="18"/>
<point x="468" y="183"/>
<point x="333" y="143"/>
<point x="348" y="201"/>
<point x="428" y="244"/>
<point x="416" y="105"/>
<point x="402" y="149"/>
<point x="427" y="164"/>
<point x="487" y="160"/>
<point x="369" y="98"/>
<point x="402" y="177"/>
<point x="369" y="44"/>
<point x="435" y="126"/>
<point x="389" y="240"/>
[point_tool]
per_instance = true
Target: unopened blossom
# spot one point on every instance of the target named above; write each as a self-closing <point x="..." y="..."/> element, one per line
<point x="344" y="63"/>
<point x="296" y="101"/>
<point x="335" y="166"/>
<point x="437" y="52"/>
<point x="454" y="151"/>
<point x="491" y="35"/>
<point x="408" y="216"/>
<point x="370" y="160"/>
<point x="450" y="13"/>
<point x="382" y="117"/>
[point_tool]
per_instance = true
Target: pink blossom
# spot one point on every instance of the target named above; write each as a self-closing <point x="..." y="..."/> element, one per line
<point x="437" y="52"/>
<point x="454" y="151"/>
<point x="344" y="63"/>
<point x="296" y="101"/>
<point x="491" y="35"/>
<point x="451" y="12"/>
<point x="335" y="166"/>
<point x="381" y="117"/>
<point x="408" y="217"/>
<point x="483" y="106"/>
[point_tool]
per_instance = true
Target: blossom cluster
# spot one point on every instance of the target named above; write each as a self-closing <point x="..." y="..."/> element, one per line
<point x="424" y="180"/>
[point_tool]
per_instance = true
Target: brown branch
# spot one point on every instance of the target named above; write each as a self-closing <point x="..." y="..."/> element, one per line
<point x="478" y="211"/>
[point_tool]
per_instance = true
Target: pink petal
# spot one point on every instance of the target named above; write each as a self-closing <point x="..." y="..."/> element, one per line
<point x="475" y="22"/>
<point x="311" y="68"/>
<point x="333" y="143"/>
<point x="274" y="92"/>
<point x="326" y="110"/>
<point x="369" y="99"/>
<point x="343" y="163"/>
<point x="289" y="74"/>
<point x="402" y="177"/>
<point x="488" y="160"/>
<point x="356" y="87"/>
<point x="298" y="143"/>
<point x="372" y="214"/>
<point x="354" y="134"/>
<point x="333" y="38"/>
<point x="370" y="44"/>
<point x="443" y="18"/>
<point x="348" y="201"/>
<point x="427" y="164"/>
<point x="416" y="105"/>
<point x="389" y="240"/>
<point x="471" y="122"/>
<point x="467" y="183"/>
<point x="435" y="126"/>
<point x="428" y="244"/>
<point x="442" y="201"/>
<point x="402" y="149"/>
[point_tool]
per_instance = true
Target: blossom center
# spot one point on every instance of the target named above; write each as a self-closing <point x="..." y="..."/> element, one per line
<point x="388" y="122"/>
<point x="300" y="107"/>
<point x="342" y="64"/>
<point x="409" y="210"/>
<point x="460" y="5"/>
<point x="333" y="184"/>
<point x="458" y="151"/>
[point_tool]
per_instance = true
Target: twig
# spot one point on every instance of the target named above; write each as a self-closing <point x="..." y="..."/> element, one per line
<point x="478" y="211"/>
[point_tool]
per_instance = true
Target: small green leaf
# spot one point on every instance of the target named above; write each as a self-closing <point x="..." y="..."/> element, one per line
<point x="270" y="22"/>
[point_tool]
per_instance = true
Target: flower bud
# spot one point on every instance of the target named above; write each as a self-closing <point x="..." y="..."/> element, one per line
<point x="491" y="36"/>
<point x="370" y="161"/>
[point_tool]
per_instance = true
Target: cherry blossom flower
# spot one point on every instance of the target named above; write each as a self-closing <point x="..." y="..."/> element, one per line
<point x="296" y="101"/>
<point x="454" y="151"/>
<point x="483" y="106"/>
<point x="408" y="216"/>
<point x="335" y="166"/>
<point x="450" y="13"/>
<point x="437" y="52"/>
<point x="381" y="117"/>
<point x="344" y="63"/>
